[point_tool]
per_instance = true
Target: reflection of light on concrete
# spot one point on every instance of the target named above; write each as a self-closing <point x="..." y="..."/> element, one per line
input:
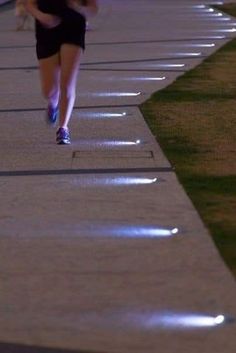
<point x="110" y="180"/>
<point x="118" y="228"/>
<point x="115" y="94"/>
<point x="174" y="320"/>
<point x="130" y="181"/>
<point x="113" y="230"/>
<point x="118" y="143"/>
<point x="162" y="65"/>
<point x="199" y="6"/>
<point x="144" y="78"/>
<point x="188" y="54"/>
<point x="203" y="9"/>
<point x="224" y="19"/>
<point x="209" y="14"/>
<point x="215" y="16"/>
<point x="101" y="115"/>
<point x="207" y="45"/>
<point x="108" y="143"/>
<point x="212" y="37"/>
<point x="117" y="181"/>
<point x="138" y="231"/>
<point x="154" y="321"/>
<point x="225" y="30"/>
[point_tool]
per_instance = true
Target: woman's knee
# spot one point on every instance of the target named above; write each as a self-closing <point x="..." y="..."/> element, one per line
<point x="67" y="92"/>
<point x="68" y="87"/>
<point x="50" y="91"/>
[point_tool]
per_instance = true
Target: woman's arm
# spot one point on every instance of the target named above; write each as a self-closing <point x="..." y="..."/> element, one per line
<point x="32" y="8"/>
<point x="46" y="19"/>
<point x="90" y="9"/>
<point x="92" y="6"/>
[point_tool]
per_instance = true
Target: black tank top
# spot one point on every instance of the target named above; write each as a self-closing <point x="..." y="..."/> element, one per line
<point x="55" y="7"/>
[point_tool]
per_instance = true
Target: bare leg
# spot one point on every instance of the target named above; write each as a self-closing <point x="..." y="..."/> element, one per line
<point x="70" y="60"/>
<point x="50" y="78"/>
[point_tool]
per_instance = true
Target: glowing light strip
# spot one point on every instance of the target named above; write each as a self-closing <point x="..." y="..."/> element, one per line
<point x="214" y="37"/>
<point x="207" y="45"/>
<point x="143" y="78"/>
<point x="119" y="143"/>
<point x="162" y="65"/>
<point x="109" y="143"/>
<point x="173" y="320"/>
<point x="199" y="6"/>
<point x="210" y="14"/>
<point x="116" y="181"/>
<point x="130" y="181"/>
<point x="138" y="231"/>
<point x="217" y="17"/>
<point x="116" y="94"/>
<point x="102" y="115"/>
<point x="224" y="19"/>
<point x="187" y="54"/>
<point x="124" y="231"/>
<point x="225" y="30"/>
<point x="151" y="321"/>
<point x="210" y="10"/>
<point x="135" y="181"/>
<point x="204" y="10"/>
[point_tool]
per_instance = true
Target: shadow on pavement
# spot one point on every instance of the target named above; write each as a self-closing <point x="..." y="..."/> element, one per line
<point x="20" y="348"/>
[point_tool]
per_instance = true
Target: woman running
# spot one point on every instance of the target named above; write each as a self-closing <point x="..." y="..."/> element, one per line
<point x="60" y="39"/>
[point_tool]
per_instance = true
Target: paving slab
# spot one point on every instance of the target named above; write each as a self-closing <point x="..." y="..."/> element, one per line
<point x="101" y="250"/>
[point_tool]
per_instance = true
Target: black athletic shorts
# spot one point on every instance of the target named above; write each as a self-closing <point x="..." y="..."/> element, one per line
<point x="71" y="31"/>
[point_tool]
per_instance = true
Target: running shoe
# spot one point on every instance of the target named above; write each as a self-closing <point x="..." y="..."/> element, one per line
<point x="52" y="115"/>
<point x="63" y="136"/>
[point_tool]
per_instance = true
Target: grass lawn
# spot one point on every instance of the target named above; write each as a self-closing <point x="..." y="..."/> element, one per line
<point x="194" y="121"/>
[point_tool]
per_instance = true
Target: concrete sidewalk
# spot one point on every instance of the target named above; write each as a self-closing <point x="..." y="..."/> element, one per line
<point x="100" y="249"/>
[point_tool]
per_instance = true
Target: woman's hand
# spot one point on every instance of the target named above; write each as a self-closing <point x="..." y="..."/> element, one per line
<point x="90" y="9"/>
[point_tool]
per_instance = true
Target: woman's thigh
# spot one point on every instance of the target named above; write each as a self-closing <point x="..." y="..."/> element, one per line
<point x="70" y="56"/>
